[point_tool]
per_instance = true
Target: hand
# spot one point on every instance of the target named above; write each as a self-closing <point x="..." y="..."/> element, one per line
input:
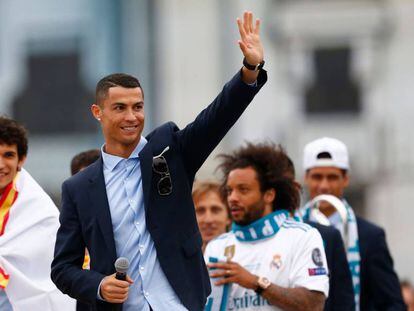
<point x="232" y="272"/>
<point x="249" y="42"/>
<point x="113" y="290"/>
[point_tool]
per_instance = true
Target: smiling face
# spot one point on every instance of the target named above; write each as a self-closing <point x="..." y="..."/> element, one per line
<point x="246" y="201"/>
<point x="121" y="114"/>
<point x="9" y="164"/>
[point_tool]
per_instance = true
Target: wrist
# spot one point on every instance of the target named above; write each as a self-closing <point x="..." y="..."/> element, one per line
<point x="262" y="284"/>
<point x="253" y="67"/>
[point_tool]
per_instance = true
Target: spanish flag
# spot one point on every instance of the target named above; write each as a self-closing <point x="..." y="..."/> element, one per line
<point x="4" y="278"/>
<point x="6" y="201"/>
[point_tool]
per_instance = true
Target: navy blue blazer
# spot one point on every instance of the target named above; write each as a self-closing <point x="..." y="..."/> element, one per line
<point x="85" y="219"/>
<point x="341" y="291"/>
<point x="380" y="287"/>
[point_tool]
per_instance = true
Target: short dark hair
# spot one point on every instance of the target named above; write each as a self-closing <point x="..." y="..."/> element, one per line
<point x="271" y="163"/>
<point x="84" y="159"/>
<point x="113" y="80"/>
<point x="13" y="133"/>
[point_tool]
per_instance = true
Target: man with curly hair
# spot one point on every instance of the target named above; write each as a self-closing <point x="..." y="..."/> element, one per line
<point x="272" y="261"/>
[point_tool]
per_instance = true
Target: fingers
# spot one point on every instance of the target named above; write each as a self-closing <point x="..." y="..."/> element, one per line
<point x="219" y="265"/>
<point x="241" y="29"/>
<point x="113" y="290"/>
<point x="222" y="273"/>
<point x="225" y="281"/>
<point x="246" y="26"/>
<point x="250" y="21"/>
<point x="257" y="28"/>
<point x="129" y="280"/>
<point x="246" y="22"/>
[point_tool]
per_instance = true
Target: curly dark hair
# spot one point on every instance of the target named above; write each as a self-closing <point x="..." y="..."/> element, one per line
<point x="113" y="80"/>
<point x="271" y="163"/>
<point x="12" y="133"/>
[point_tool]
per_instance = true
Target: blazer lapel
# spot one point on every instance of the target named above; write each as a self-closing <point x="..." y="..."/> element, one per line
<point x="145" y="158"/>
<point x="99" y="202"/>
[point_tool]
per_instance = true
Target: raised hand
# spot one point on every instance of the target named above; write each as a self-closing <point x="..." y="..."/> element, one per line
<point x="250" y="42"/>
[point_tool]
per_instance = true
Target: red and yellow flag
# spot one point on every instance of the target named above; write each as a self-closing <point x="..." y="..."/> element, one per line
<point x="6" y="201"/>
<point x="4" y="278"/>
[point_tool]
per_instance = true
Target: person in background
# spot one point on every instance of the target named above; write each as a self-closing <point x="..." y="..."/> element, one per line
<point x="376" y="285"/>
<point x="212" y="214"/>
<point x="341" y="292"/>
<point x="28" y="225"/>
<point x="83" y="160"/>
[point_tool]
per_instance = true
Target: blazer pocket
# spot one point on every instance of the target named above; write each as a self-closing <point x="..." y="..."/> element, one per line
<point x="192" y="245"/>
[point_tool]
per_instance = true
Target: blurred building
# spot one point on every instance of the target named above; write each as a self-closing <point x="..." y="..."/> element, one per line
<point x="336" y="68"/>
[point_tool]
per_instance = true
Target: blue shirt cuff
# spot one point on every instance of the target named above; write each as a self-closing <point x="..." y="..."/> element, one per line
<point x="98" y="294"/>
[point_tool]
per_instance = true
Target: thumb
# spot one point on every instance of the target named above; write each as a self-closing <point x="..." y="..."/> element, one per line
<point x="129" y="280"/>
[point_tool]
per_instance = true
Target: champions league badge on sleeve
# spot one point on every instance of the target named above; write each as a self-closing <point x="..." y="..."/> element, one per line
<point x="317" y="257"/>
<point x="317" y="271"/>
<point x="317" y="260"/>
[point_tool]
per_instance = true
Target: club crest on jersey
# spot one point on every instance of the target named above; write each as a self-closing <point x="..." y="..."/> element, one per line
<point x="276" y="261"/>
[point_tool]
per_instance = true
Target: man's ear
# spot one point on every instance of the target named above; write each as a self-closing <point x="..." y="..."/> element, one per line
<point x="269" y="196"/>
<point x="346" y="180"/>
<point x="96" y="111"/>
<point x="20" y="163"/>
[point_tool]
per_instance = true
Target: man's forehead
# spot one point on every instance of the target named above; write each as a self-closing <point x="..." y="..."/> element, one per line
<point x="325" y="170"/>
<point x="242" y="175"/>
<point x="7" y="148"/>
<point x="119" y="91"/>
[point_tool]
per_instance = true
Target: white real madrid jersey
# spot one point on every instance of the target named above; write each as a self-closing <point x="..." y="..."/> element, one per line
<point x="293" y="257"/>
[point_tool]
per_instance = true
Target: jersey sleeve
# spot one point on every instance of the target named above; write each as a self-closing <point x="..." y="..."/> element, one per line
<point x="309" y="265"/>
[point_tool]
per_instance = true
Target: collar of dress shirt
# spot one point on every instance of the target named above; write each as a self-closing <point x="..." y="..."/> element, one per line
<point x="111" y="161"/>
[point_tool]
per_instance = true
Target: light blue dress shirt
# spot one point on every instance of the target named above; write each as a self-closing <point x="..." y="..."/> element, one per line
<point x="123" y="182"/>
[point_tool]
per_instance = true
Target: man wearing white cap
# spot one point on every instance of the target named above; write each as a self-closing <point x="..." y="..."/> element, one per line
<point x="376" y="285"/>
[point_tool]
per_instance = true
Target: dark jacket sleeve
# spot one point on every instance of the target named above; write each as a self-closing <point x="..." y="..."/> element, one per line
<point x="385" y="287"/>
<point x="342" y="291"/>
<point x="67" y="271"/>
<point x="212" y="124"/>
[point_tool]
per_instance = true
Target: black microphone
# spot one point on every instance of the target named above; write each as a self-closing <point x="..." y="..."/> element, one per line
<point x="121" y="267"/>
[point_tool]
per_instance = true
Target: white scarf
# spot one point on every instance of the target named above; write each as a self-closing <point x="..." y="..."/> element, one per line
<point x="349" y="231"/>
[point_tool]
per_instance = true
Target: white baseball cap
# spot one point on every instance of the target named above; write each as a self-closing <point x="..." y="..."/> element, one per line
<point x="333" y="148"/>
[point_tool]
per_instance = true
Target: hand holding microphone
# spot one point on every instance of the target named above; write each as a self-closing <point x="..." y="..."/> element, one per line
<point x="114" y="287"/>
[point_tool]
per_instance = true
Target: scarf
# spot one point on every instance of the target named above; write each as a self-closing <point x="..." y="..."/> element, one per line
<point x="262" y="228"/>
<point x="349" y="233"/>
